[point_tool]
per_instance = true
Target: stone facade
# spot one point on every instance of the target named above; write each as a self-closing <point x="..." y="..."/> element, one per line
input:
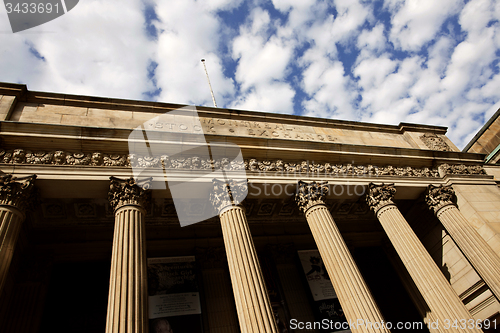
<point x="366" y="196"/>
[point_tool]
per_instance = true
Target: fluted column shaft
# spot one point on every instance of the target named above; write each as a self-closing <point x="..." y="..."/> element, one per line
<point x="128" y="297"/>
<point x="252" y="301"/>
<point x="11" y="220"/>
<point x="437" y="292"/>
<point x="253" y="306"/>
<point x="16" y="194"/>
<point x="481" y="256"/>
<point x="353" y="293"/>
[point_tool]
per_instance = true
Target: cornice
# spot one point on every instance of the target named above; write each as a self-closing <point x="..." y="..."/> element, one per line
<point x="40" y="136"/>
<point x="158" y="107"/>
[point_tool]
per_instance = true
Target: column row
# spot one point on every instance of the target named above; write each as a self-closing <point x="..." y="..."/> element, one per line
<point x="127" y="306"/>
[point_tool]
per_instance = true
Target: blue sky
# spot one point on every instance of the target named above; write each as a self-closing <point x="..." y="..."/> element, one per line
<point x="421" y="61"/>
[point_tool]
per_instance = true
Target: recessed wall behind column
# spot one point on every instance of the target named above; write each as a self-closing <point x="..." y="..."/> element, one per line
<point x="480" y="204"/>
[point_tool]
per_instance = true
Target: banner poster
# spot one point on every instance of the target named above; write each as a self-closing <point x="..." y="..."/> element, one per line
<point x="325" y="302"/>
<point x="174" y="298"/>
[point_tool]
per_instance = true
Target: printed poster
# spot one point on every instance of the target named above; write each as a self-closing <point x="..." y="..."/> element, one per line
<point x="174" y="298"/>
<point x="326" y="304"/>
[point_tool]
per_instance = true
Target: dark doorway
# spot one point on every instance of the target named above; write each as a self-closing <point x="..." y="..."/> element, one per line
<point x="77" y="298"/>
<point x="388" y="290"/>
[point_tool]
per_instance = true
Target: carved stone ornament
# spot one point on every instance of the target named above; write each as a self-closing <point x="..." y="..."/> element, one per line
<point x="310" y="194"/>
<point x="129" y="192"/>
<point x="337" y="170"/>
<point x="379" y="196"/>
<point x="60" y="157"/>
<point x="434" y="142"/>
<point x="17" y="192"/>
<point x="437" y="197"/>
<point x="226" y="194"/>
<point x="462" y="169"/>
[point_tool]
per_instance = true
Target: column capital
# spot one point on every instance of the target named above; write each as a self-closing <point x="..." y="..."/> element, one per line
<point x="227" y="193"/>
<point x="437" y="197"/>
<point x="129" y="192"/>
<point x="17" y="192"/>
<point x="379" y="196"/>
<point x="310" y="194"/>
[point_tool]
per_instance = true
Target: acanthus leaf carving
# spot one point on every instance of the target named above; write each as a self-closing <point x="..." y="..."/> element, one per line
<point x="379" y="196"/>
<point x="310" y="194"/>
<point x="17" y="192"/>
<point x="129" y="192"/>
<point x="227" y="193"/>
<point x="437" y="197"/>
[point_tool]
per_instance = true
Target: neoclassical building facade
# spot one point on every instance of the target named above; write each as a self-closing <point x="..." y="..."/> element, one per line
<point x="335" y="226"/>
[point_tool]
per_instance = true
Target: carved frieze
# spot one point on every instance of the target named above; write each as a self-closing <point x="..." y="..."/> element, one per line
<point x="85" y="210"/>
<point x="18" y="192"/>
<point x="54" y="210"/>
<point x="437" y="197"/>
<point x="335" y="170"/>
<point x="310" y="194"/>
<point x="379" y="196"/>
<point x="434" y="142"/>
<point x="226" y="194"/>
<point x="129" y="192"/>
<point x="60" y="157"/>
<point x="462" y="169"/>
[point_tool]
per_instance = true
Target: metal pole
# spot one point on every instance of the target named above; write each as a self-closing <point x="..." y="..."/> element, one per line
<point x="208" y="79"/>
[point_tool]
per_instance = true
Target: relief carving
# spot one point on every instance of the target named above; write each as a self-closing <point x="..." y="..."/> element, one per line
<point x="379" y="196"/>
<point x="437" y="197"/>
<point x="310" y="194"/>
<point x="462" y="169"/>
<point x="129" y="192"/>
<point x="226" y="194"/>
<point x="59" y="157"/>
<point x="434" y="142"/>
<point x="328" y="169"/>
<point x="17" y="192"/>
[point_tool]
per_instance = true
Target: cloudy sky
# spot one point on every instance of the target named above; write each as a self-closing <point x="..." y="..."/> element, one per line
<point x="422" y="61"/>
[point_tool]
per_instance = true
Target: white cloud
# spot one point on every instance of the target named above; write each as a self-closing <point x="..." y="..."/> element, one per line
<point x="373" y="71"/>
<point x="433" y="62"/>
<point x="372" y="40"/>
<point x="275" y="96"/>
<point x="416" y="22"/>
<point x="328" y="87"/>
<point x="190" y="33"/>
<point x="260" y="60"/>
<point x="90" y="50"/>
<point x="262" y="65"/>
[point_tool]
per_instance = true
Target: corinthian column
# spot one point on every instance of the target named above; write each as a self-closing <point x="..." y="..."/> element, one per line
<point x="442" y="201"/>
<point x="128" y="297"/>
<point x="15" y="196"/>
<point x="443" y="302"/>
<point x="353" y="293"/>
<point x="252" y="301"/>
